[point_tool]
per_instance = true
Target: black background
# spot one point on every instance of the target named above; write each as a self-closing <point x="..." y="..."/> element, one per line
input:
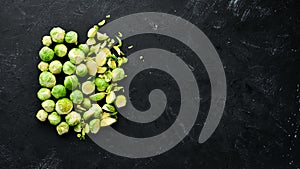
<point x="257" y="42"/>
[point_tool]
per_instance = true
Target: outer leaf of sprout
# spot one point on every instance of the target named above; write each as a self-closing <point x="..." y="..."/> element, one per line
<point x="78" y="128"/>
<point x="101" y="69"/>
<point x="111" y="63"/>
<point x="55" y="67"/>
<point x="42" y="115"/>
<point x="101" y="23"/>
<point x="108" y="108"/>
<point x="105" y="115"/>
<point x="101" y="36"/>
<point x="95" y="48"/>
<point x="87" y="103"/>
<point x="92" y="32"/>
<point x="88" y="87"/>
<point x="92" y="67"/>
<point x="94" y="126"/>
<point x="47" y="40"/>
<point x="120" y="101"/>
<point x="46" y="54"/>
<point x="43" y="66"/>
<point x="44" y="94"/>
<point x="119" y="41"/>
<point x="76" y="96"/>
<point x="60" y="50"/>
<point x="110" y="98"/>
<point x="84" y="48"/>
<point x="62" y="128"/>
<point x="64" y="106"/>
<point x="91" y="41"/>
<point x="107" y="16"/>
<point x="97" y="96"/>
<point x="88" y="114"/>
<point x="59" y="91"/>
<point x="54" y="118"/>
<point x="48" y="105"/>
<point x="73" y="118"/>
<point x="107" y="121"/>
<point x="87" y="128"/>
<point x="118" y="50"/>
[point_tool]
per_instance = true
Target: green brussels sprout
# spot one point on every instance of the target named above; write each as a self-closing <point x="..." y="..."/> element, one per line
<point x="46" y="54"/>
<point x="101" y="58"/>
<point x="71" y="82"/>
<point x="62" y="128"/>
<point x="57" y="34"/>
<point x="73" y="118"/>
<point x="64" y="106"/>
<point x="44" y="94"/>
<point x="59" y="91"/>
<point x="60" y="50"/>
<point x="95" y="109"/>
<point x="76" y="96"/>
<point x="84" y="48"/>
<point x="107" y="121"/>
<point x="55" y="67"/>
<point x="71" y="37"/>
<point x="120" y="101"/>
<point x="76" y="55"/>
<point x="92" y="67"/>
<point x="108" y="108"/>
<point x="69" y="68"/>
<point x="41" y="115"/>
<point x="47" y="79"/>
<point x="97" y="96"/>
<point x="87" y="103"/>
<point x="78" y="128"/>
<point x="110" y="98"/>
<point x="47" y="40"/>
<point x="48" y="105"/>
<point x="88" y="87"/>
<point x="94" y="126"/>
<point x="108" y="76"/>
<point x="118" y="74"/>
<point x="92" y="32"/>
<point x="101" y="84"/>
<point x="54" y="118"/>
<point x="43" y="66"/>
<point x="81" y="70"/>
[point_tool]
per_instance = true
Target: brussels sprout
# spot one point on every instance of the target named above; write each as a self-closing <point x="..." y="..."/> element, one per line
<point x="62" y="128"/>
<point x="54" y="118"/>
<point x="47" y="40"/>
<point x="47" y="79"/>
<point x="111" y="63"/>
<point x="76" y="96"/>
<point x="101" y="69"/>
<point x="48" y="105"/>
<point x="71" y="37"/>
<point x="94" y="126"/>
<point x="44" y="94"/>
<point x="64" y="106"/>
<point x="81" y="70"/>
<point x="86" y="103"/>
<point x="108" y="108"/>
<point x="110" y="98"/>
<point x="57" y="34"/>
<point x="76" y="55"/>
<point x="118" y="74"/>
<point x="73" y="118"/>
<point x="92" y="32"/>
<point x="92" y="67"/>
<point x="120" y="101"/>
<point x="43" y="66"/>
<point x="60" y="50"/>
<point x="84" y="48"/>
<point x="105" y="115"/>
<point x="101" y="58"/>
<point x="46" y="54"/>
<point x="87" y="128"/>
<point x="69" y="68"/>
<point x="71" y="82"/>
<point x="95" y="109"/>
<point x="107" y="121"/>
<point x="41" y="115"/>
<point x="59" y="91"/>
<point x="78" y="128"/>
<point x="101" y="84"/>
<point x="55" y="67"/>
<point x="88" y="87"/>
<point x="97" y="96"/>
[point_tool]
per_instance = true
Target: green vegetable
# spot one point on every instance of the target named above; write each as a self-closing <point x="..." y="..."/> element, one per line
<point x="64" y="106"/>
<point x="86" y="103"/>
<point x="59" y="91"/>
<point x="47" y="40"/>
<point x="60" y="50"/>
<point x="97" y="96"/>
<point x="73" y="118"/>
<point x="71" y="37"/>
<point x="110" y="98"/>
<point x="92" y="32"/>
<point x="120" y="101"/>
<point x="84" y="48"/>
<point x="76" y="96"/>
<point x="77" y="128"/>
<point x="62" y="128"/>
<point x="101" y="84"/>
<point x="57" y="34"/>
<point x="107" y="121"/>
<point x="92" y="67"/>
<point x="43" y="66"/>
<point x="94" y="126"/>
<point x="48" y="105"/>
<point x="54" y="118"/>
<point x="76" y="56"/>
<point x="118" y="74"/>
<point x="69" y="68"/>
<point x="108" y="108"/>
<point x="94" y="109"/>
<point x="42" y="115"/>
<point x="44" y="94"/>
<point x="46" y="54"/>
<point x="81" y="70"/>
<point x="55" y="67"/>
<point x="88" y="87"/>
<point x="71" y="82"/>
<point x="47" y="79"/>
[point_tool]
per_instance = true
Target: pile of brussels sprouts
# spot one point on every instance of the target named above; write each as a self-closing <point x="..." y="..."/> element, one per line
<point x="85" y="106"/>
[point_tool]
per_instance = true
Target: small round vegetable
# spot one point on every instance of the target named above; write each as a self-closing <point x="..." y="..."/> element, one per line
<point x="69" y="68"/>
<point x="84" y="48"/>
<point x="55" y="67"/>
<point x="71" y="82"/>
<point x="87" y="103"/>
<point x="48" y="105"/>
<point x="120" y="101"/>
<point x="44" y="94"/>
<point x="73" y="118"/>
<point x="94" y="126"/>
<point x="71" y="37"/>
<point x="88" y="87"/>
<point x="57" y="34"/>
<point x="118" y="74"/>
<point x="54" y="118"/>
<point x="46" y="54"/>
<point x="43" y="66"/>
<point x="47" y="79"/>
<point x="59" y="91"/>
<point x="47" y="40"/>
<point x="60" y="50"/>
<point x="97" y="96"/>
<point x="92" y="32"/>
<point x="92" y="67"/>
<point x="64" y="106"/>
<point x="81" y="70"/>
<point x="41" y="115"/>
<point x="76" y="56"/>
<point x="76" y="96"/>
<point x="101" y="84"/>
<point x="62" y="128"/>
<point x="110" y="98"/>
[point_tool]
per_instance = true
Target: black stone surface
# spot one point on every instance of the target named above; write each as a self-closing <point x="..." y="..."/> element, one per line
<point x="258" y="42"/>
